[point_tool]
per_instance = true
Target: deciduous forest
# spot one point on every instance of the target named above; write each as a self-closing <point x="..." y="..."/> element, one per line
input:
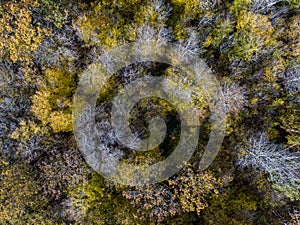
<point x="253" y="49"/>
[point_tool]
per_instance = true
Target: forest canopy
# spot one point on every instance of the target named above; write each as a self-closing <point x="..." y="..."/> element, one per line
<point x="253" y="50"/>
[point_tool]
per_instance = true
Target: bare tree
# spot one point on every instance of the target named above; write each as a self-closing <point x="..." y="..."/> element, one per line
<point x="191" y="45"/>
<point x="263" y="6"/>
<point x="14" y="103"/>
<point x="160" y="9"/>
<point x="150" y="37"/>
<point x="281" y="165"/>
<point x="237" y="66"/>
<point x="153" y="26"/>
<point x="59" y="49"/>
<point x="147" y="33"/>
<point x="292" y="80"/>
<point x="234" y="96"/>
<point x="208" y="4"/>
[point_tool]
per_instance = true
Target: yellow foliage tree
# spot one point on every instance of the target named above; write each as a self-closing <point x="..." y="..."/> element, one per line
<point x="107" y="23"/>
<point x="19" y="37"/>
<point x="254" y="36"/>
<point x="184" y="194"/>
<point x="52" y="102"/>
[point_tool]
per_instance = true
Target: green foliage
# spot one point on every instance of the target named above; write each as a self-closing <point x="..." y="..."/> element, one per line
<point x="55" y="11"/>
<point x="100" y="205"/>
<point x="294" y="4"/>
<point x="250" y="45"/>
<point x="107" y="23"/>
<point x="189" y="12"/>
<point x="219" y="33"/>
<point x="290" y="121"/>
<point x="231" y="207"/>
<point x="291" y="192"/>
<point x="239" y="5"/>
<point x="20" y="199"/>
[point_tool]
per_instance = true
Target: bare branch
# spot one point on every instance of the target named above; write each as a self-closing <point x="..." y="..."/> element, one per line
<point x="281" y="165"/>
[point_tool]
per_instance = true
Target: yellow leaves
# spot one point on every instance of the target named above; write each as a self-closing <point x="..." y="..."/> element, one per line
<point x="180" y="2"/>
<point x="5" y="163"/>
<point x="293" y="36"/>
<point x="192" y="188"/>
<point x="253" y="101"/>
<point x="218" y="34"/>
<point x="18" y="192"/>
<point x="255" y="34"/>
<point x="152" y="14"/>
<point x="19" y="37"/>
<point x="60" y="82"/>
<point x="186" y="84"/>
<point x="26" y="129"/>
<point x="238" y="5"/>
<point x="273" y="70"/>
<point x="278" y="102"/>
<point x="187" y="9"/>
<point x="52" y="104"/>
<point x="254" y="22"/>
<point x="99" y="28"/>
<point x="60" y="121"/>
<point x="294" y="28"/>
<point x="41" y="106"/>
<point x="183" y="193"/>
<point x="208" y="41"/>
